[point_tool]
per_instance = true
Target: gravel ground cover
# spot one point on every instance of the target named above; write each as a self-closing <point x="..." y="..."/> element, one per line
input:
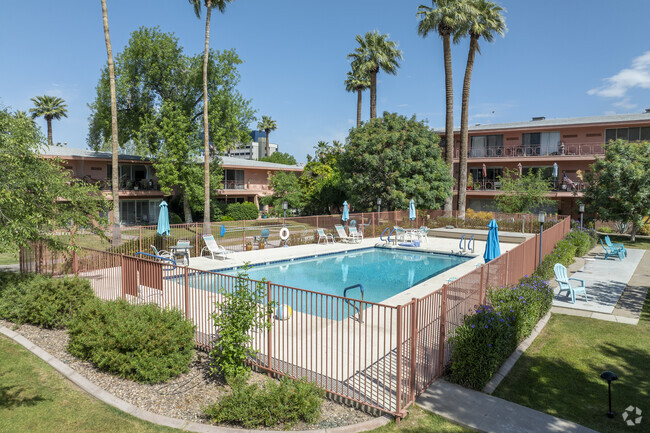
<point x="182" y="397"/>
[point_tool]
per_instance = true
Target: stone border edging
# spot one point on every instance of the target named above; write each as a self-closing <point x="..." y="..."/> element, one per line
<point x="512" y="359"/>
<point x="108" y="398"/>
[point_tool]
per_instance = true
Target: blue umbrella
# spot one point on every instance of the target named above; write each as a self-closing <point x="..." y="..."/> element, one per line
<point x="412" y="213"/>
<point x="346" y="212"/>
<point x="163" y="219"/>
<point x="222" y="231"/>
<point x="492" y="249"/>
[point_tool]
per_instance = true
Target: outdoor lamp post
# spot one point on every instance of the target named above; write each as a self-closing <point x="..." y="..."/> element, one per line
<point x="581" y="209"/>
<point x="285" y="206"/>
<point x="555" y="174"/>
<point x="541" y="218"/>
<point x="378" y="208"/>
<point x="609" y="377"/>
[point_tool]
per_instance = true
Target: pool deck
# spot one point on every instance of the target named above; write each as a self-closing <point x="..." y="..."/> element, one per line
<point x="433" y="244"/>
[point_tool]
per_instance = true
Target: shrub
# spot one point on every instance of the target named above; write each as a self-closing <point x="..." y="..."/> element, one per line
<point x="286" y="402"/>
<point x="43" y="301"/>
<point x="138" y="342"/>
<point x="605" y="229"/>
<point x="239" y="311"/>
<point x="564" y="253"/>
<point x="242" y="211"/>
<point x="174" y="218"/>
<point x="645" y="229"/>
<point x="582" y="240"/>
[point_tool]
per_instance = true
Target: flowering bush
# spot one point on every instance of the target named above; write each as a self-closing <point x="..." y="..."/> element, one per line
<point x="583" y="239"/>
<point x="564" y="253"/>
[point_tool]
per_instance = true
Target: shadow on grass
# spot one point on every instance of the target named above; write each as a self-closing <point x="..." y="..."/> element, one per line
<point x="10" y="397"/>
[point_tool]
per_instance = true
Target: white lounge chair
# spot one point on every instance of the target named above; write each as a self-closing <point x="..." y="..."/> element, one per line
<point x="213" y="248"/>
<point x="355" y="234"/>
<point x="325" y="236"/>
<point x="161" y="253"/>
<point x="344" y="237"/>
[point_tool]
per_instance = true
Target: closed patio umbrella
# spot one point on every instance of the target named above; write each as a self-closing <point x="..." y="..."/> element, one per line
<point x="492" y="248"/>
<point x="412" y="212"/>
<point x="346" y="212"/>
<point x="163" y="219"/>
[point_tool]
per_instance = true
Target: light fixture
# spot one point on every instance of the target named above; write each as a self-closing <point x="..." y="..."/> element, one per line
<point x="609" y="377"/>
<point x="285" y="206"/>
<point x="581" y="208"/>
<point x="379" y="206"/>
<point x="541" y="218"/>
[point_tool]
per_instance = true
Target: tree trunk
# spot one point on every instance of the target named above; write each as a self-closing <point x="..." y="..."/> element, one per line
<point x="359" y="107"/>
<point x="187" y="211"/>
<point x="206" y="135"/>
<point x="449" y="119"/>
<point x="268" y="142"/>
<point x="464" y="137"/>
<point x="373" y="95"/>
<point x="49" y="132"/>
<point x="115" y="188"/>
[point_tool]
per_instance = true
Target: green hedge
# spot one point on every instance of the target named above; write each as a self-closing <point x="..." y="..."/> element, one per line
<point x="564" y="253"/>
<point x="138" y="342"/>
<point x="42" y="301"/>
<point x="242" y="211"/>
<point x="285" y="402"/>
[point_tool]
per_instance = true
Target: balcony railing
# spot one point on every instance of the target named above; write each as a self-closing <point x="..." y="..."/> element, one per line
<point x="233" y="184"/>
<point x="571" y="185"/>
<point x="579" y="149"/>
<point x="125" y="184"/>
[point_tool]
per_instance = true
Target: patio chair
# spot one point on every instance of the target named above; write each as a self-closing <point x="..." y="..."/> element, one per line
<point x="263" y="237"/>
<point x="325" y="236"/>
<point x="161" y="253"/>
<point x="400" y="234"/>
<point x="609" y="243"/>
<point x="423" y="234"/>
<point x="213" y="248"/>
<point x="564" y="282"/>
<point x="355" y="234"/>
<point x="612" y="251"/>
<point x="343" y="237"/>
<point x="185" y="253"/>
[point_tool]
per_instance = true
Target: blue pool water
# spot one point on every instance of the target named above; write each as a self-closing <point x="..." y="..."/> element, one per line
<point x="382" y="272"/>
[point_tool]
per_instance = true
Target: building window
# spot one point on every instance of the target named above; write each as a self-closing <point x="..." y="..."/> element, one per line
<point x="233" y="179"/>
<point x="143" y="212"/>
<point x="486" y="145"/>
<point x="628" y="134"/>
<point x="540" y="143"/>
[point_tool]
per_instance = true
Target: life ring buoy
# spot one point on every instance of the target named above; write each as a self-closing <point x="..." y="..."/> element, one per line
<point x="284" y="233"/>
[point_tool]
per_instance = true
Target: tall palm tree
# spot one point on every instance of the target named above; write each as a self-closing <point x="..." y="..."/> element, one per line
<point x="267" y="125"/>
<point x="357" y="81"/>
<point x="447" y="18"/>
<point x="485" y="21"/>
<point x="375" y="53"/>
<point x="49" y="107"/>
<point x="209" y="5"/>
<point x="115" y="172"/>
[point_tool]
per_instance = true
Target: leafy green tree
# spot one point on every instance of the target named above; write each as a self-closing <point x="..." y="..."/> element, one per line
<point x="159" y="106"/>
<point x="209" y="5"/>
<point x="280" y="158"/>
<point x="619" y="185"/>
<point x="395" y="159"/>
<point x="446" y="18"/>
<point x="267" y="125"/>
<point x="357" y="81"/>
<point x="526" y="193"/>
<point x="320" y="181"/>
<point x="50" y="108"/>
<point x="285" y="187"/>
<point x="484" y="21"/>
<point x="37" y="195"/>
<point x="375" y="53"/>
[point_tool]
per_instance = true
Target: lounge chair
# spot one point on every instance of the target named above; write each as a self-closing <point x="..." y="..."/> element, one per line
<point x="354" y="233"/>
<point x="423" y="234"/>
<point x="325" y="236"/>
<point x="609" y="243"/>
<point x="612" y="251"/>
<point x="213" y="248"/>
<point x="400" y="234"/>
<point x="564" y="282"/>
<point x="344" y="237"/>
<point x="162" y="253"/>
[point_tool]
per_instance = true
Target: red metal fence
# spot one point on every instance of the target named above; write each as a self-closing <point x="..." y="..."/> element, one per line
<point x="379" y="355"/>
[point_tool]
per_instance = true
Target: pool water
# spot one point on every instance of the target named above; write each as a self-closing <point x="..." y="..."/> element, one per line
<point x="382" y="272"/>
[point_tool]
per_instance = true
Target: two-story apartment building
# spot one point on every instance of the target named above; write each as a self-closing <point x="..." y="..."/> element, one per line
<point x="140" y="194"/>
<point x="563" y="148"/>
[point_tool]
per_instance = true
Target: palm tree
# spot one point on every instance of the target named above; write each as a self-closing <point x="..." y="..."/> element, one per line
<point x="357" y="81"/>
<point x="209" y="5"/>
<point x="115" y="172"/>
<point x="484" y="22"/>
<point x="267" y="125"/>
<point x="375" y="53"/>
<point x="447" y="18"/>
<point x="49" y="107"/>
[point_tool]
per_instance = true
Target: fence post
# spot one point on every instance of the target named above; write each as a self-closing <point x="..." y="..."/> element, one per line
<point x="507" y="268"/>
<point x="398" y="391"/>
<point x="75" y="262"/>
<point x="139" y="238"/>
<point x="269" y="333"/>
<point x="124" y="276"/>
<point x="414" y="347"/>
<point x="373" y="225"/>
<point x="196" y="243"/>
<point x="317" y="226"/>
<point x="483" y="286"/>
<point x="443" y="325"/>
<point x="243" y="236"/>
<point x="187" y="294"/>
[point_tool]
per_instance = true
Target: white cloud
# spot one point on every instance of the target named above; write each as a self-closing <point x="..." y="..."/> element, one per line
<point x="617" y="85"/>
<point x="625" y="104"/>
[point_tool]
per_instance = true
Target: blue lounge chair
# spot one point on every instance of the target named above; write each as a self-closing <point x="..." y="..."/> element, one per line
<point x="612" y="251"/>
<point x="609" y="243"/>
<point x="564" y="282"/>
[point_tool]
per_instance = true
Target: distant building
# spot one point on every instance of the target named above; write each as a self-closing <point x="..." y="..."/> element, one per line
<point x="256" y="149"/>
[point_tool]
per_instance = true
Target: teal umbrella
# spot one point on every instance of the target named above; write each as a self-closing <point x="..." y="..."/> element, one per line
<point x="492" y="249"/>
<point x="412" y="213"/>
<point x="346" y="212"/>
<point x="163" y="219"/>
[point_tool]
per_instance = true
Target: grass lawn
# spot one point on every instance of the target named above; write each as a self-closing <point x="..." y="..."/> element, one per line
<point x="8" y="258"/>
<point x="560" y="372"/>
<point x="640" y="243"/>
<point x="421" y="421"/>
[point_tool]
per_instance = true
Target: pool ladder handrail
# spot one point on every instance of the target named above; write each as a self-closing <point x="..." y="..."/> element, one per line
<point x="381" y="236"/>
<point x="350" y="302"/>
<point x="465" y="247"/>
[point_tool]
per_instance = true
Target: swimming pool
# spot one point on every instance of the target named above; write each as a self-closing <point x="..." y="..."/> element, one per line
<point x="382" y="272"/>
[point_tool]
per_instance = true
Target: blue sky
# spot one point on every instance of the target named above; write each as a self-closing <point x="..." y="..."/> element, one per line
<point x="560" y="58"/>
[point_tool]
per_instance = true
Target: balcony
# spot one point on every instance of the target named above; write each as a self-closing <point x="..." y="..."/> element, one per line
<point x="233" y="184"/>
<point x="571" y="185"/>
<point x="578" y="149"/>
<point x="125" y="184"/>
